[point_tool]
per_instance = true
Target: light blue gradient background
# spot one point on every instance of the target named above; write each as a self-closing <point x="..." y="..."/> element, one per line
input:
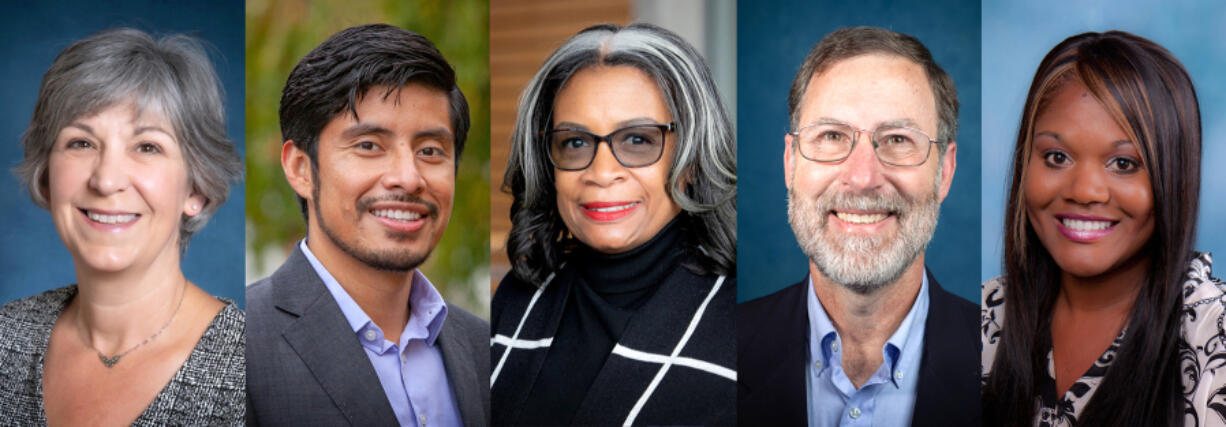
<point x="32" y="257"/>
<point x="773" y="39"/>
<point x="1016" y="36"/>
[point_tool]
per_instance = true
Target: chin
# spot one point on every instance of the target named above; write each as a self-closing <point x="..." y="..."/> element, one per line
<point x="1081" y="266"/>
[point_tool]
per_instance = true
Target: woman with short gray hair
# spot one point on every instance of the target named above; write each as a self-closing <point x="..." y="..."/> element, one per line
<point x="618" y="308"/>
<point x="127" y="149"/>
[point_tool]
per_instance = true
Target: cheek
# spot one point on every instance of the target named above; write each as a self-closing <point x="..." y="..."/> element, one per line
<point x="1136" y="199"/>
<point x="1040" y="187"/>
<point x="567" y="185"/>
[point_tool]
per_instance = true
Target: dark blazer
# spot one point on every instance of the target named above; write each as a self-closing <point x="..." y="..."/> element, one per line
<point x="305" y="365"/>
<point x="773" y="345"/>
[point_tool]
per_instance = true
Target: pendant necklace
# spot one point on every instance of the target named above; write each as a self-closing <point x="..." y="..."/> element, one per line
<point x="112" y="360"/>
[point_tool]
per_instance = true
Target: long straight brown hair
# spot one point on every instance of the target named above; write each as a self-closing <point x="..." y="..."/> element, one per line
<point x="1150" y="96"/>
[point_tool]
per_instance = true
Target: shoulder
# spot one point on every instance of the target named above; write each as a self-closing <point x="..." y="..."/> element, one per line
<point x="779" y="302"/>
<point x="221" y="352"/>
<point x="1204" y="303"/>
<point x="760" y="321"/>
<point x="954" y="307"/>
<point x="468" y="323"/>
<point x="991" y="319"/>
<point x="1202" y="338"/>
<point x="43" y="308"/>
<point x="212" y="384"/>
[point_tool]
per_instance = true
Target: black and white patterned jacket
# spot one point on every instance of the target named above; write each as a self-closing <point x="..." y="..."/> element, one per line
<point x="674" y="364"/>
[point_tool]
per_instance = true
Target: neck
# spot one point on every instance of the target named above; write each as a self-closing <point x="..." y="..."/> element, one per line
<point x="383" y="295"/>
<point x="866" y="321"/>
<point x="116" y="310"/>
<point x="1112" y="292"/>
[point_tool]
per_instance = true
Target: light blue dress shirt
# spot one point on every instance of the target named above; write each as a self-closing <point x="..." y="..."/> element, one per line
<point x="888" y="397"/>
<point x="411" y="369"/>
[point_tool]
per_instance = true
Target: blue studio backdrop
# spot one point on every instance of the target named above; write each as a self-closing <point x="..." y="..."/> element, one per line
<point x="773" y="40"/>
<point x="32" y="256"/>
<point x="1016" y="36"/>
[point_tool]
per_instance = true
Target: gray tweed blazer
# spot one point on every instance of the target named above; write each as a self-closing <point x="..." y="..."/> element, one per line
<point x="207" y="390"/>
<point x="305" y="366"/>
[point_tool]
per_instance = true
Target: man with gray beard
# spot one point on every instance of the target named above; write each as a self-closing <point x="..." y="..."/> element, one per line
<point x="870" y="337"/>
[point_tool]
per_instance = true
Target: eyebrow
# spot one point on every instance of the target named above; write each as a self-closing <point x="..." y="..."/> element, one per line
<point x="144" y="129"/>
<point x="362" y="129"/>
<point x="622" y="124"/>
<point x="908" y="123"/>
<point x="1056" y="137"/>
<point x="82" y="126"/>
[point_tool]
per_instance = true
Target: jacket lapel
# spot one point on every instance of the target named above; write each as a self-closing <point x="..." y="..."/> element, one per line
<point x="948" y="388"/>
<point x="773" y="346"/>
<point x="322" y="339"/>
<point x="466" y="387"/>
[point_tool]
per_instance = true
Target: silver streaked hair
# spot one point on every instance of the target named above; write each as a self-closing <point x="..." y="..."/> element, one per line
<point x="171" y="75"/>
<point x="702" y="176"/>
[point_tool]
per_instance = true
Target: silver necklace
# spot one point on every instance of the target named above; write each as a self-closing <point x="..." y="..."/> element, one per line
<point x="112" y="360"/>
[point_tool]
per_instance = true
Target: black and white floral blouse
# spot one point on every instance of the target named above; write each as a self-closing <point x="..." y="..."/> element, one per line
<point x="1202" y="350"/>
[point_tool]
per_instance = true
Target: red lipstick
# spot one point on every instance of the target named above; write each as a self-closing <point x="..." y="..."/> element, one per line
<point x="608" y="211"/>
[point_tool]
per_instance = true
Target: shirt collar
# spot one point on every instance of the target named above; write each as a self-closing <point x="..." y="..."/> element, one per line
<point x="428" y="310"/>
<point x="823" y="335"/>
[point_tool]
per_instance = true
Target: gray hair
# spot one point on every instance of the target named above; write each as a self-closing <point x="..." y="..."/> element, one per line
<point x="702" y="176"/>
<point x="172" y="74"/>
<point x="851" y="42"/>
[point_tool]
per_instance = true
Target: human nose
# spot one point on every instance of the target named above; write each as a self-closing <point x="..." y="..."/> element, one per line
<point x="605" y="169"/>
<point x="403" y="173"/>
<point x="1087" y="186"/>
<point x="110" y="174"/>
<point x="862" y="170"/>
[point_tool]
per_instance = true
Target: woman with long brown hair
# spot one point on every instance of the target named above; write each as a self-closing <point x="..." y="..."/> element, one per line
<point x="1105" y="315"/>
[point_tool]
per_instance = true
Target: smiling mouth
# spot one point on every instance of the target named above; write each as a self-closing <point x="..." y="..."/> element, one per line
<point x="1086" y="225"/>
<point x="110" y="219"/>
<point x="861" y="218"/>
<point x="606" y="208"/>
<point x="397" y="215"/>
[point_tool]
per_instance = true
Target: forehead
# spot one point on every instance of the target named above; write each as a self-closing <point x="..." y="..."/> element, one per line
<point x="869" y="89"/>
<point x="1076" y="117"/>
<point x="609" y="94"/>
<point x="128" y="112"/>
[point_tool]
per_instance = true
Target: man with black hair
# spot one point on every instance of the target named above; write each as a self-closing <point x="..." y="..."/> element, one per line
<point x="348" y="330"/>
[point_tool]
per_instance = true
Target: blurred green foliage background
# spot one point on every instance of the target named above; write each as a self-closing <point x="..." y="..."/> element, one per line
<point x="279" y="33"/>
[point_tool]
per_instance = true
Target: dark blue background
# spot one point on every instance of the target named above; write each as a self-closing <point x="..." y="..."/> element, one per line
<point x="32" y="258"/>
<point x="773" y="39"/>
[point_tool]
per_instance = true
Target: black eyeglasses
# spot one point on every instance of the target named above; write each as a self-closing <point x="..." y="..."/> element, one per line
<point x="633" y="146"/>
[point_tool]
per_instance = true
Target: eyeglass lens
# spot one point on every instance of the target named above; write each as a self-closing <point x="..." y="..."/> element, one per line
<point x="633" y="146"/>
<point x="894" y="145"/>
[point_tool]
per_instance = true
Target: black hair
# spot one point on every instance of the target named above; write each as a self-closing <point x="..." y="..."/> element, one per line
<point x="334" y="76"/>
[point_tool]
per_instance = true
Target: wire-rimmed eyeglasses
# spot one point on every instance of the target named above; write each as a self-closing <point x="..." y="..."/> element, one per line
<point x="832" y="142"/>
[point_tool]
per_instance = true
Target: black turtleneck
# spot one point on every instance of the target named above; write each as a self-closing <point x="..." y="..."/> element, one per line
<point x="606" y="290"/>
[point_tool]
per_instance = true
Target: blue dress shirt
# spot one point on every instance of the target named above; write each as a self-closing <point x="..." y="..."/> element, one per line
<point x="888" y="397"/>
<point x="411" y="369"/>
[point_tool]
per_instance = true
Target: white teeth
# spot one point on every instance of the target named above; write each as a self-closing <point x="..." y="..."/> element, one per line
<point x="1079" y="225"/>
<point x="398" y="215"/>
<point x="111" y="219"/>
<point x="861" y="218"/>
<point x="613" y="208"/>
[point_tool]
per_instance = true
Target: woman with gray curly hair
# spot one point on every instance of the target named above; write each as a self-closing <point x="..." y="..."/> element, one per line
<point x="128" y="151"/>
<point x="618" y="308"/>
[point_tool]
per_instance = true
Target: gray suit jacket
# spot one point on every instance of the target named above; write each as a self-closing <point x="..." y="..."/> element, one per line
<point x="305" y="365"/>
